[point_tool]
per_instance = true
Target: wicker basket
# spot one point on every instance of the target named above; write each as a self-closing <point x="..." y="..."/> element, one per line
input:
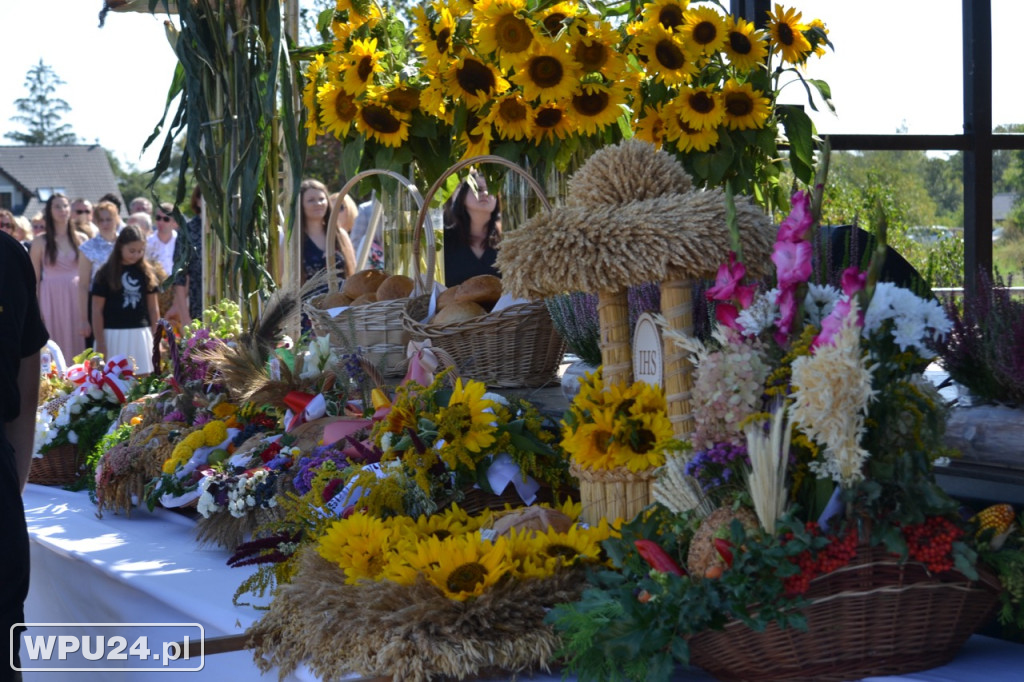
<point x="512" y="348"/>
<point x="874" y="617"/>
<point x="615" y="494"/>
<point x="375" y="330"/>
<point x="59" y="466"/>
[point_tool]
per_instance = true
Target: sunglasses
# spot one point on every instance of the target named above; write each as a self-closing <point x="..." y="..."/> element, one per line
<point x="164" y="218"/>
<point x="80" y="211"/>
<point x="6" y="226"/>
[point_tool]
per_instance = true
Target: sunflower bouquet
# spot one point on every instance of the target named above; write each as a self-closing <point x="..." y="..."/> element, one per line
<point x="536" y="81"/>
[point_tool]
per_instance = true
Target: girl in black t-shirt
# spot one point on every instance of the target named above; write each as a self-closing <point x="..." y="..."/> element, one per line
<point x="124" y="303"/>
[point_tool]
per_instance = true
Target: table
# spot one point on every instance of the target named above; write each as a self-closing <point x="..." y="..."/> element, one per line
<point x="148" y="568"/>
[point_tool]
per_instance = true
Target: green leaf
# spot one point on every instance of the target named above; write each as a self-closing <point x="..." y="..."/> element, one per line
<point x="800" y="133"/>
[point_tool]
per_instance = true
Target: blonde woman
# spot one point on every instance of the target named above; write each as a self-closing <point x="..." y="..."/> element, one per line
<point x="316" y="212"/>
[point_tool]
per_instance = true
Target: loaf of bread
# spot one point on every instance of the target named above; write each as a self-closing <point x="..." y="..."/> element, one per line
<point x="395" y="286"/>
<point x="365" y="298"/>
<point x="482" y="289"/>
<point x="363" y="282"/>
<point x="447" y="296"/>
<point x="335" y="300"/>
<point x="458" y="312"/>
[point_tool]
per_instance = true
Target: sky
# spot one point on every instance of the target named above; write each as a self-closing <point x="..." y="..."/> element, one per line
<point x="895" y="65"/>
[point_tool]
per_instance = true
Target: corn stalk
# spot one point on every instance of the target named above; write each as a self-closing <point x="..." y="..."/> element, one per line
<point x="236" y="107"/>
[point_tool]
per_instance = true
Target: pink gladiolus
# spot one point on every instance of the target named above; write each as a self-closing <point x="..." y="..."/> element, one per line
<point x="853" y="280"/>
<point x="792" y="262"/>
<point x="727" y="280"/>
<point x="786" y="300"/>
<point x="726" y="314"/>
<point x="794" y="228"/>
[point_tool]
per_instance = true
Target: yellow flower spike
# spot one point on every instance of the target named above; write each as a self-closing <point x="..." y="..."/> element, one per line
<point x="379" y="399"/>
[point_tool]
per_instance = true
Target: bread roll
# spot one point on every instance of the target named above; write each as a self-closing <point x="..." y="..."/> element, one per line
<point x="395" y="286"/>
<point x="447" y="296"/>
<point x="482" y="289"/>
<point x="335" y="300"/>
<point x="365" y="298"/>
<point x="458" y="312"/>
<point x="363" y="282"/>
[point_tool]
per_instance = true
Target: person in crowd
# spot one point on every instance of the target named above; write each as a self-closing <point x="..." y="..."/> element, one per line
<point x="316" y="211"/>
<point x="144" y="222"/>
<point x="7" y="223"/>
<point x="160" y="245"/>
<point x="81" y="208"/>
<point x="38" y="224"/>
<point x="124" y="302"/>
<point x="93" y="254"/>
<point x="55" y="259"/>
<point x="472" y="231"/>
<point x="360" y="226"/>
<point x="188" y="266"/>
<point x="113" y="198"/>
<point x="84" y="226"/>
<point x="140" y="205"/>
<point x="23" y="230"/>
<point x="23" y="335"/>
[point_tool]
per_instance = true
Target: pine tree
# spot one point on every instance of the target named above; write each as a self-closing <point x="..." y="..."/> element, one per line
<point x="41" y="111"/>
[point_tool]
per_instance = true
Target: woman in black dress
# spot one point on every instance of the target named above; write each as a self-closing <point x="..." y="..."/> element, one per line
<point x="472" y="232"/>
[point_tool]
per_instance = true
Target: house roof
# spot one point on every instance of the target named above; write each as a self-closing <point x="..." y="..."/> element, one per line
<point x="79" y="170"/>
<point x="1002" y="203"/>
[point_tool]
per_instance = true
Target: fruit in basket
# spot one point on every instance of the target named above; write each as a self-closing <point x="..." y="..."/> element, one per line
<point x="395" y="287"/>
<point x="998" y="518"/>
<point x="703" y="552"/>
<point x="458" y="312"/>
<point x="363" y="282"/>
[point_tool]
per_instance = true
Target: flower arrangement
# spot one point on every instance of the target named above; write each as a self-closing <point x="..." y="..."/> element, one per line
<point x="813" y="456"/>
<point x="617" y="427"/>
<point x="536" y="81"/>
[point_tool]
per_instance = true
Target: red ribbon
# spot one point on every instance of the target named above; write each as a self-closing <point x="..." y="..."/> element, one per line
<point x="115" y="375"/>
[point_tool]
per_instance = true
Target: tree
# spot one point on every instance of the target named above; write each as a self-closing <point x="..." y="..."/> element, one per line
<point x="41" y="111"/>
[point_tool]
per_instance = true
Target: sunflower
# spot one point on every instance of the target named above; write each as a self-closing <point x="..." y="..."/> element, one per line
<point x="503" y="29"/>
<point x="474" y="81"/>
<point x="547" y="73"/>
<point x="314" y="80"/>
<point x="476" y="136"/>
<point x="705" y="28"/>
<point x="433" y="103"/>
<point x="524" y="549"/>
<point x="466" y="425"/>
<point x="434" y="33"/>
<point x="593" y="444"/>
<point x="595" y="51"/>
<point x="819" y="36"/>
<point x="667" y="13"/>
<point x="701" y="107"/>
<point x="403" y="97"/>
<point x="337" y="109"/>
<point x="667" y="56"/>
<point x="381" y="122"/>
<point x="363" y="61"/>
<point x="596" y="107"/>
<point x="787" y="34"/>
<point x="745" y="107"/>
<point x="359" y="545"/>
<point x="570" y="547"/>
<point x="510" y="116"/>
<point x="685" y="137"/>
<point x="744" y="45"/>
<point x="464" y="566"/>
<point x="651" y="126"/>
<point x="359" y="12"/>
<point x="550" y="121"/>
<point x="553" y="19"/>
<point x="342" y="31"/>
<point x="644" y="438"/>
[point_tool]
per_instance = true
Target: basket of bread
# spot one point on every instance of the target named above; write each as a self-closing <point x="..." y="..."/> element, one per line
<point x="501" y="342"/>
<point x="364" y="315"/>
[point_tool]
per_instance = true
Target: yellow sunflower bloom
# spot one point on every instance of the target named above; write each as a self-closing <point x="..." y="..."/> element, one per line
<point x="342" y="31"/>
<point x="359" y="12"/>
<point x="787" y="34"/>
<point x="403" y="97"/>
<point x="388" y="126"/>
<point x="510" y="116"/>
<point x="745" y="46"/>
<point x="503" y="29"/>
<point x="524" y="549"/>
<point x="595" y="51"/>
<point x="433" y="103"/>
<point x="667" y="55"/>
<point x="593" y="445"/>
<point x="596" y="107"/>
<point x="476" y="136"/>
<point x="745" y="107"/>
<point x="337" y="108"/>
<point x="553" y="19"/>
<point x="473" y="80"/>
<point x="547" y="73"/>
<point x="818" y="45"/>
<point x="550" y="121"/>
<point x="701" y="107"/>
<point x="705" y="28"/>
<point x="685" y="137"/>
<point x="360" y="545"/>
<point x="667" y="13"/>
<point x="315" y="72"/>
<point x="464" y="566"/>
<point x="648" y="433"/>
<point x="568" y="548"/>
<point x="363" y="61"/>
<point x="466" y="425"/>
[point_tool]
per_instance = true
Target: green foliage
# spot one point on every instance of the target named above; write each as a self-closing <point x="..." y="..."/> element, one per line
<point x="41" y="111"/>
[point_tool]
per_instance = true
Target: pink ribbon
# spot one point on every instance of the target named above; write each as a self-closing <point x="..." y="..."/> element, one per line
<point x="116" y="376"/>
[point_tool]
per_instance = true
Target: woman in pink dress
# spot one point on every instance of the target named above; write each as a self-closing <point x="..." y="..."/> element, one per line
<point x="55" y="258"/>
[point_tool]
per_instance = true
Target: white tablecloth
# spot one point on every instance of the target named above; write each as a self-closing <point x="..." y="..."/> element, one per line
<point x="149" y="569"/>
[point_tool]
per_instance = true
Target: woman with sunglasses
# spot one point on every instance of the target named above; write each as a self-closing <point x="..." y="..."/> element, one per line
<point x="55" y="257"/>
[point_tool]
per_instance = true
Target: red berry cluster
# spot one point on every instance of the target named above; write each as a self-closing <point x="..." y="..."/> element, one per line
<point x="838" y="553"/>
<point x="931" y="542"/>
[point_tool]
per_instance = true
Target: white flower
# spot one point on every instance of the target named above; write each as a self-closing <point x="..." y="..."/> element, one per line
<point x="760" y="315"/>
<point x="908" y="332"/>
<point x="72" y="437"/>
<point x="936" y="319"/>
<point x="496" y="397"/>
<point x="63" y="419"/>
<point x="820" y="301"/>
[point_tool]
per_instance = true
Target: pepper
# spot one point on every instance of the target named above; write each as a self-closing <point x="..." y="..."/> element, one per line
<point x="724" y="549"/>
<point x="657" y="558"/>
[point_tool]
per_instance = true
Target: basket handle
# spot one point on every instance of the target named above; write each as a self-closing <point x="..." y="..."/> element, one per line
<point x="472" y="161"/>
<point x="332" y="282"/>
